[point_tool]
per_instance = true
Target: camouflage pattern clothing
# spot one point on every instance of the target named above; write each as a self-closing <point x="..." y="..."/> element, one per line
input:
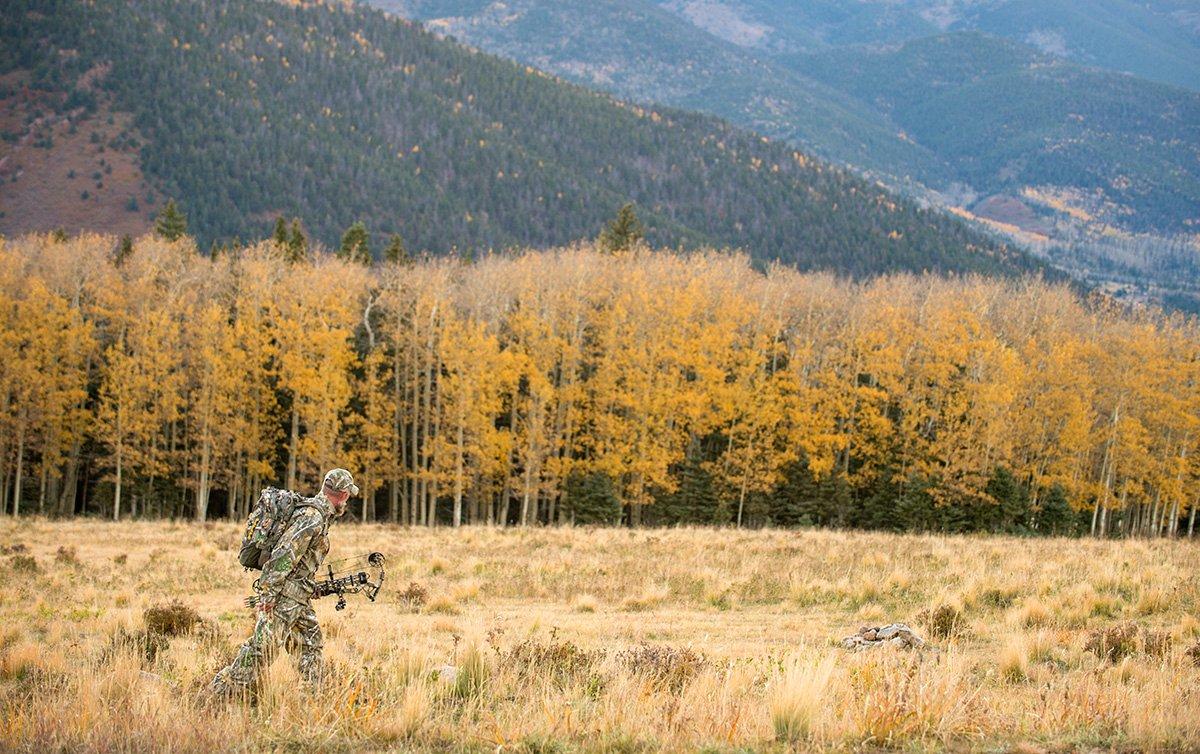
<point x="284" y="615"/>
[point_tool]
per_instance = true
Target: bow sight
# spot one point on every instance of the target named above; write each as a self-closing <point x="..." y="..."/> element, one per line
<point x="352" y="578"/>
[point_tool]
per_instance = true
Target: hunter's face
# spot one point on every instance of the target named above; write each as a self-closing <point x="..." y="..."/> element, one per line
<point x="337" y="499"/>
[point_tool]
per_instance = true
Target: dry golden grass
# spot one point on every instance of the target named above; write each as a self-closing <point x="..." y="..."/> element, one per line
<point x="585" y="640"/>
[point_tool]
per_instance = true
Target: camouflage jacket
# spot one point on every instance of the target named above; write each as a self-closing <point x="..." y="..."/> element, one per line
<point x="299" y="553"/>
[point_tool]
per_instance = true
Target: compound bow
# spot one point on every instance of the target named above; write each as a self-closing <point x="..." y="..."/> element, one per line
<point x="352" y="578"/>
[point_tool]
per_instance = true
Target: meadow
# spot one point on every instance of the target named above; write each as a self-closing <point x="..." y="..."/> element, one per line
<point x="564" y="639"/>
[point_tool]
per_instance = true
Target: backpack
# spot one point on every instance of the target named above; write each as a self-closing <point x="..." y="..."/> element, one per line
<point x="265" y="524"/>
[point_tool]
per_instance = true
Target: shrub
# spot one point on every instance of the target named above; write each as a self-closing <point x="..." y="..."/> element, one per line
<point x="1113" y="643"/>
<point x="24" y="564"/>
<point x="174" y="619"/>
<point x="668" y="667"/>
<point x="66" y="556"/>
<point x="942" y="622"/>
<point x="414" y="597"/>
<point x="1193" y="654"/>
<point x="562" y="660"/>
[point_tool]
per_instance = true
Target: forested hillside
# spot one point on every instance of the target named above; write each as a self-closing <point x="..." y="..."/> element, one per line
<point x="1006" y="117"/>
<point x="148" y="379"/>
<point x="881" y="87"/>
<point x="333" y="113"/>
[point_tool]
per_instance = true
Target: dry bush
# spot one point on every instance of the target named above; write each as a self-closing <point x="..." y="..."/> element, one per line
<point x="66" y="556"/>
<point x="24" y="564"/>
<point x="942" y="622"/>
<point x="670" y="667"/>
<point x="1115" y="643"/>
<point x="174" y="619"/>
<point x="414" y="596"/>
<point x="554" y="658"/>
<point x="1193" y="654"/>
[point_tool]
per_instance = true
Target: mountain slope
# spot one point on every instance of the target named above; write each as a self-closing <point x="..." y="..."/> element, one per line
<point x="1006" y="117"/>
<point x="640" y="51"/>
<point x="970" y="109"/>
<point x="1156" y="40"/>
<point x="335" y="113"/>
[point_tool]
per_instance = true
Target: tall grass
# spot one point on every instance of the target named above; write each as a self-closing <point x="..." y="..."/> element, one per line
<point x="596" y="639"/>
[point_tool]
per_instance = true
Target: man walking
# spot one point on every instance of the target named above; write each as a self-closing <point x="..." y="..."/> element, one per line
<point x="283" y="604"/>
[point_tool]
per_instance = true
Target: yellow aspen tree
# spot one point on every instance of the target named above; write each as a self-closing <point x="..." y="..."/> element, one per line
<point x="317" y="309"/>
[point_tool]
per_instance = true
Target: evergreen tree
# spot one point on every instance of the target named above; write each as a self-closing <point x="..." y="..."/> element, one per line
<point x="623" y="231"/>
<point x="170" y="223"/>
<point x="1011" y="514"/>
<point x="280" y="236"/>
<point x="694" y="500"/>
<point x="1054" y="515"/>
<point x="395" y="251"/>
<point x="591" y="498"/>
<point x="123" y="250"/>
<point x="355" y="245"/>
<point x="297" y="244"/>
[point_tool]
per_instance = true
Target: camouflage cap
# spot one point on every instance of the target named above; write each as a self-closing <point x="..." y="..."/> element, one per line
<point x="340" y="479"/>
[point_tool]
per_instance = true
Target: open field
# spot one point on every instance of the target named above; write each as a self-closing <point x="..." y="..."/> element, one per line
<point x="611" y="639"/>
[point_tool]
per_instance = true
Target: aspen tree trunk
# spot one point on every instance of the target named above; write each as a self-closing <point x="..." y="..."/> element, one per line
<point x="16" y="506"/>
<point x="1192" y="521"/>
<point x="414" y="413"/>
<point x="742" y="498"/>
<point x="436" y="418"/>
<point x="505" y="491"/>
<point x="293" y="446"/>
<point x="398" y="438"/>
<point x="202" y="489"/>
<point x="117" y="492"/>
<point x="458" y="472"/>
<point x="235" y="491"/>
<point x="1106" y="473"/>
<point x="42" y="491"/>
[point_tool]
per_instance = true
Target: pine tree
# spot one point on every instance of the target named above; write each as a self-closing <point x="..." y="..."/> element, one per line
<point x="297" y="244"/>
<point x="592" y="498"/>
<point x="623" y="231"/>
<point x="280" y="236"/>
<point x="170" y="224"/>
<point x="1054" y="516"/>
<point x="124" y="249"/>
<point x="395" y="251"/>
<point x="355" y="245"/>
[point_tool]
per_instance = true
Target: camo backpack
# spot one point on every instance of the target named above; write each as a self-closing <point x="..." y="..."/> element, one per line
<point x="266" y="523"/>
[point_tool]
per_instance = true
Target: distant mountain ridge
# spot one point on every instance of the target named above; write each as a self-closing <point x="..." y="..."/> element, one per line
<point x="971" y="105"/>
<point x="334" y="113"/>
<point x="906" y="101"/>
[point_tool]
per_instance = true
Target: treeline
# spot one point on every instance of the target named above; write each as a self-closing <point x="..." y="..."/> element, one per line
<point x="336" y="113"/>
<point x="145" y="379"/>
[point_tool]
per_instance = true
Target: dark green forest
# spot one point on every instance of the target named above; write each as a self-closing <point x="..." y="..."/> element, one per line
<point x="337" y="114"/>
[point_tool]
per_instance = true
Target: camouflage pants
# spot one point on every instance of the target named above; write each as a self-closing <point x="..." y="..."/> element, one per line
<point x="291" y="624"/>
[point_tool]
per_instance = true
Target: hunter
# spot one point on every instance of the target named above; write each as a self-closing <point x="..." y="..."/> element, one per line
<point x="285" y="589"/>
